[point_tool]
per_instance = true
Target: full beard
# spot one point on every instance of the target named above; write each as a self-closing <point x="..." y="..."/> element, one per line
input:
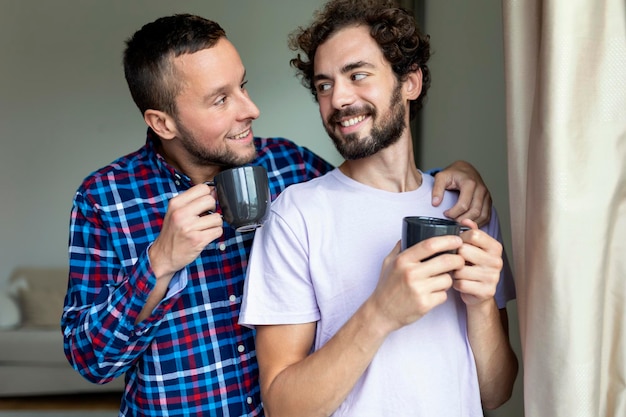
<point x="200" y="155"/>
<point x="383" y="134"/>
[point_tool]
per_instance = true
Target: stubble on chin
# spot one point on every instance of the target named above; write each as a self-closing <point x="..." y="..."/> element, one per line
<point x="231" y="158"/>
<point x="228" y="155"/>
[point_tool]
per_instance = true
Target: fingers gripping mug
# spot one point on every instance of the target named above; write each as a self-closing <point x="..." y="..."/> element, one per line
<point x="244" y="196"/>
<point x="418" y="228"/>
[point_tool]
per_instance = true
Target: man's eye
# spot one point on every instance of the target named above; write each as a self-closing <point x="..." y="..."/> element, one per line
<point x="358" y="76"/>
<point x="243" y="85"/>
<point x="322" y="87"/>
<point x="220" y="101"/>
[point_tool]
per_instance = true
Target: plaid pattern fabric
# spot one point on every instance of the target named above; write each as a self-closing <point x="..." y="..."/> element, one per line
<point x="190" y="357"/>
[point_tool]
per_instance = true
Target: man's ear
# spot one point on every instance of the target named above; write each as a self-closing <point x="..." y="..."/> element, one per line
<point x="413" y="84"/>
<point x="162" y="123"/>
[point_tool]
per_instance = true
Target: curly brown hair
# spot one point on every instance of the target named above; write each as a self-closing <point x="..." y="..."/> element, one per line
<point x="392" y="27"/>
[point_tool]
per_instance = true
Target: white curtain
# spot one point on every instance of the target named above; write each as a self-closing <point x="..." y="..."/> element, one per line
<point x="565" y="63"/>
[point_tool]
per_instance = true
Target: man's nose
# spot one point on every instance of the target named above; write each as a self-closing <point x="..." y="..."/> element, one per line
<point x="342" y="95"/>
<point x="251" y="111"/>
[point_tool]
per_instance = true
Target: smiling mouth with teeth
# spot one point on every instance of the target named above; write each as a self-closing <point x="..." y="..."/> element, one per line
<point x="352" y="121"/>
<point x="241" y="135"/>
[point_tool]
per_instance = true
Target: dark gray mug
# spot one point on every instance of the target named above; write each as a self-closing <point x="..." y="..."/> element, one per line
<point x="244" y="196"/>
<point x="418" y="228"/>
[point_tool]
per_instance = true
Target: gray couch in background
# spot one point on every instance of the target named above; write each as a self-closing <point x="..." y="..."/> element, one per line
<point x="32" y="361"/>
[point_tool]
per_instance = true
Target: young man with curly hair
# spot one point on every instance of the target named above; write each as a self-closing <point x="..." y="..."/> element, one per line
<point x="347" y="323"/>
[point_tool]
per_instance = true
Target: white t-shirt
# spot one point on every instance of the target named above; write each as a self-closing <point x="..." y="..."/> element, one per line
<point x="318" y="258"/>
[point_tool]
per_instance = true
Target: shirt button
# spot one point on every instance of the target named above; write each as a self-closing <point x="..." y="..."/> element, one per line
<point x="249" y="400"/>
<point x="232" y="298"/>
<point x="241" y="348"/>
<point x="222" y="247"/>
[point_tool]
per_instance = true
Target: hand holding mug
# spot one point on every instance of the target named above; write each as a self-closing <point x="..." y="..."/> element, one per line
<point x="243" y="196"/>
<point x="418" y="228"/>
<point x="478" y="278"/>
<point x="185" y="231"/>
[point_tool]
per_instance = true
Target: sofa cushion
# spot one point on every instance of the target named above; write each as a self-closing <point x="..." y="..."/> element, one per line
<point x="32" y="346"/>
<point x="40" y="295"/>
<point x="9" y="312"/>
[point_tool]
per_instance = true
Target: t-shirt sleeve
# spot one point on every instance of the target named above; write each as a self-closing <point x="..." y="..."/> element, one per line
<point x="278" y="287"/>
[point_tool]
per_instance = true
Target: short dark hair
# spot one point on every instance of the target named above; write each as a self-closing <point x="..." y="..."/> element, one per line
<point x="148" y="65"/>
<point x="392" y="27"/>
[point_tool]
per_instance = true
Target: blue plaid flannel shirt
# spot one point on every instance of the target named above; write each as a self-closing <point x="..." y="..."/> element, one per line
<point x="190" y="357"/>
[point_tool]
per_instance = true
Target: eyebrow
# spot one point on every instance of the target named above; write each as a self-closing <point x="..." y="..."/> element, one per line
<point x="221" y="89"/>
<point x="345" y="69"/>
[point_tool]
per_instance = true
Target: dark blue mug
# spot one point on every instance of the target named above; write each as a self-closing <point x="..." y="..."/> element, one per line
<point x="418" y="228"/>
<point x="243" y="195"/>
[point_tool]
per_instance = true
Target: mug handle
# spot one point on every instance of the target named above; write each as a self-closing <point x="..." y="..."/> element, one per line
<point x="212" y="184"/>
